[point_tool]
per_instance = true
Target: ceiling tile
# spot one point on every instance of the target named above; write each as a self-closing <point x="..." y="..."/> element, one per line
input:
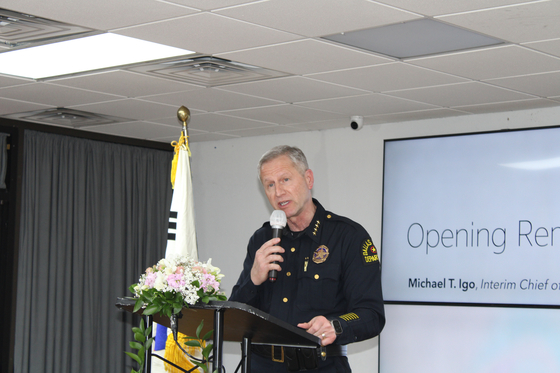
<point x="14" y="106"/>
<point x="49" y="94"/>
<point x="219" y="123"/>
<point x="272" y="130"/>
<point x="462" y="94"/>
<point x="491" y="63"/>
<point x="102" y="15"/>
<point x="393" y="76"/>
<point x="210" y="100"/>
<point x="305" y="57"/>
<point x="439" y="7"/>
<point x="139" y="130"/>
<point x="546" y="46"/>
<point x="318" y="17"/>
<point x="124" y="83"/>
<point x="286" y="114"/>
<point x="543" y="85"/>
<point x="209" y="4"/>
<point x="8" y="81"/>
<point x="293" y="89"/>
<point x="323" y="125"/>
<point x="212" y="136"/>
<point x="131" y="108"/>
<point x="208" y="33"/>
<point x="531" y="21"/>
<point x="371" y="104"/>
<point x="508" y="106"/>
<point x="413" y="115"/>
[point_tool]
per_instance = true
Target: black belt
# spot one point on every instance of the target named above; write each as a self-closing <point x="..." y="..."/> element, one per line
<point x="298" y="358"/>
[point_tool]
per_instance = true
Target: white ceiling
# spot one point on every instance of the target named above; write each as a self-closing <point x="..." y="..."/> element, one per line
<point x="327" y="82"/>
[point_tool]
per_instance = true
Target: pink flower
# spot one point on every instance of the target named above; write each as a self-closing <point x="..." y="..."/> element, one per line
<point x="175" y="281"/>
<point x="209" y="281"/>
<point x="150" y="279"/>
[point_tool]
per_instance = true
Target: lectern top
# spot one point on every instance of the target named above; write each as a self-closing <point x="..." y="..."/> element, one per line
<point x="240" y="320"/>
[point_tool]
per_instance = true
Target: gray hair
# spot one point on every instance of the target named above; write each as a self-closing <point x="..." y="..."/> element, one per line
<point x="294" y="153"/>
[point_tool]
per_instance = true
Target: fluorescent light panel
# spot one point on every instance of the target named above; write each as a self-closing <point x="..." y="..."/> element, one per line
<point x="414" y="39"/>
<point x="84" y="54"/>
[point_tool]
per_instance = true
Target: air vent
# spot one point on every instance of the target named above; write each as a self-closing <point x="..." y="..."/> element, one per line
<point x="23" y="30"/>
<point x="66" y="117"/>
<point x="206" y="71"/>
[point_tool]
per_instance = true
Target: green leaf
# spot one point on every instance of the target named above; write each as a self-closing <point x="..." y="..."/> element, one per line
<point x="207" y="350"/>
<point x="137" y="330"/>
<point x="135" y="345"/>
<point x="142" y="352"/>
<point x="140" y="337"/>
<point x="138" y="305"/>
<point x="199" y="329"/>
<point x="193" y="343"/>
<point x="202" y="365"/>
<point x="151" y="309"/>
<point x="208" y="335"/>
<point x="142" y="326"/>
<point x="134" y="357"/>
<point x="149" y="343"/>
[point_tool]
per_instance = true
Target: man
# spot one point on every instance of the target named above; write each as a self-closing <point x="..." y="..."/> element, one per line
<point x="329" y="279"/>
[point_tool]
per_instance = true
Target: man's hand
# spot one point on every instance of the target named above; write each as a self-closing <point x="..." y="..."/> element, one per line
<point x="264" y="258"/>
<point x="320" y="327"/>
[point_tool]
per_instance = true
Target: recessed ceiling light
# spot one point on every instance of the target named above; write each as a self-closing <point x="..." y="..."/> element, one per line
<point x="414" y="39"/>
<point x="83" y="54"/>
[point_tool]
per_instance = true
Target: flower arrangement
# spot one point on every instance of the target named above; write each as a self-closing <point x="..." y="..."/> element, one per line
<point x="166" y="288"/>
<point x="175" y="283"/>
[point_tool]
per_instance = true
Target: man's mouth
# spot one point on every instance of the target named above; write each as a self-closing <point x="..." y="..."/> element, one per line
<point x="282" y="204"/>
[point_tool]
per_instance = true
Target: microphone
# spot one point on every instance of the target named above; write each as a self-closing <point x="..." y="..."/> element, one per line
<point x="277" y="222"/>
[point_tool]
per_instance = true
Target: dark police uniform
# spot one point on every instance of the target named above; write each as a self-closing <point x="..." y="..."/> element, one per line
<point x="330" y="269"/>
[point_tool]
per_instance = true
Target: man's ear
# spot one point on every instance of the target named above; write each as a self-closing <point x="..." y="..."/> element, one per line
<point x="309" y="178"/>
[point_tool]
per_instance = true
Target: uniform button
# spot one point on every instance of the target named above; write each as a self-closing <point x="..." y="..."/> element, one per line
<point x="285" y="300"/>
<point x="316" y="277"/>
<point x="288" y="274"/>
<point x="293" y="249"/>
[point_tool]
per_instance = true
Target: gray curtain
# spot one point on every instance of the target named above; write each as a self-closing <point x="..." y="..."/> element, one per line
<point x="3" y="159"/>
<point x="94" y="216"/>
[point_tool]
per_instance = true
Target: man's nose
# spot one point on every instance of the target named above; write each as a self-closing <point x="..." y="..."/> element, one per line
<point x="279" y="190"/>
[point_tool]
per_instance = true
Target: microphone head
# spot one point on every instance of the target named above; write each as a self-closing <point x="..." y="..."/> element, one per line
<point x="278" y="219"/>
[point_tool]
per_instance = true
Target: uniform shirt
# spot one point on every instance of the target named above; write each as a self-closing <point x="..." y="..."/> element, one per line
<point x="330" y="269"/>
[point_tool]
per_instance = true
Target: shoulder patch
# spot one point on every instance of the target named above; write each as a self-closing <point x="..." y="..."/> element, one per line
<point x="369" y="252"/>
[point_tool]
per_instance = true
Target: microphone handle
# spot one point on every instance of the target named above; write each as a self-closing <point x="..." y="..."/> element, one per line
<point x="273" y="274"/>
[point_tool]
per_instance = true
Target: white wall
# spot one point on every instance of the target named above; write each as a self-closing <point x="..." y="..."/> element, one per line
<point x="348" y="168"/>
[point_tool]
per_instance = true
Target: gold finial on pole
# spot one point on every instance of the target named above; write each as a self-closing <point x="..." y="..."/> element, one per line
<point x="184" y="115"/>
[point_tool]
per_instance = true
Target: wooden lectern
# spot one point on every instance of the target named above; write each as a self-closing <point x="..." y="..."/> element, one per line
<point x="232" y="322"/>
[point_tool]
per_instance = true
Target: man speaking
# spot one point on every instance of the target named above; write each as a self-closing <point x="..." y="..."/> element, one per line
<point x="328" y="278"/>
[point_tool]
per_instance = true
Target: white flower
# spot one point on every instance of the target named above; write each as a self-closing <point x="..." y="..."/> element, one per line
<point x="160" y="282"/>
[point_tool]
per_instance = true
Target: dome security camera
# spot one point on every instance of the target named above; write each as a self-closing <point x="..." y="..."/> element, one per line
<point x="356" y="122"/>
